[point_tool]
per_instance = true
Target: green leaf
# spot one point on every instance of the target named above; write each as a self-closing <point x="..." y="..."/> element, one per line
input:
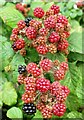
<point x="38" y="115"/>
<point x="74" y="56"/>
<point x="3" y="79"/>
<point x="9" y="94"/>
<point x="74" y="24"/>
<point x="17" y="60"/>
<point x="79" y="13"/>
<point x="72" y="77"/>
<point x="73" y="14"/>
<point x="70" y="4"/>
<point x="75" y="42"/>
<point x="74" y="114"/>
<point x="36" y="4"/>
<point x="14" y="112"/>
<point x="72" y="102"/>
<point x="55" y="56"/>
<point x="47" y="6"/>
<point x="1" y="103"/>
<point x="10" y="16"/>
<point x="6" y="52"/>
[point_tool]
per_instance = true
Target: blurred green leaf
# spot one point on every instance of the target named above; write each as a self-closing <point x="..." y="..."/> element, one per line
<point x="10" y="15"/>
<point x="55" y="56"/>
<point x="74" y="114"/>
<point x="70" y="4"/>
<point x="72" y="78"/>
<point x="17" y="60"/>
<point x="47" y="6"/>
<point x="14" y="112"/>
<point x="38" y="115"/>
<point x="75" y="42"/>
<point x="9" y="94"/>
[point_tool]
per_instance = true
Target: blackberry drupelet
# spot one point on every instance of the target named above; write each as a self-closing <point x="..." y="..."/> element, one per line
<point x="21" y="69"/>
<point x="27" y="20"/>
<point x="29" y="108"/>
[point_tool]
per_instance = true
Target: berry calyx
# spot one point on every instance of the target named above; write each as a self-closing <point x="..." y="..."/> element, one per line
<point x="42" y="84"/>
<point x="38" y="12"/>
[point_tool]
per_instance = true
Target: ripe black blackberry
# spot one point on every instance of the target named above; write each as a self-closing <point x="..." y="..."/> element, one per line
<point x="29" y="108"/>
<point x="21" y="69"/>
<point x="28" y="5"/>
<point x="27" y="20"/>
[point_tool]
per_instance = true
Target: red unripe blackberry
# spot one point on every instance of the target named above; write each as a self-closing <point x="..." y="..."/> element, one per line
<point x="15" y="31"/>
<point x="62" y="19"/>
<point x="31" y="32"/>
<point x="23" y="52"/>
<point x="14" y="47"/>
<point x="13" y="37"/>
<point x="40" y="106"/>
<point x="65" y="89"/>
<point x="63" y="45"/>
<point x="61" y="96"/>
<point x="43" y="31"/>
<point x="42" y="84"/>
<point x="46" y="113"/>
<point x="27" y="98"/>
<point x="33" y="69"/>
<point x="38" y="12"/>
<point x="49" y="12"/>
<point x="50" y="22"/>
<point x="21" y="24"/>
<point x="64" y="66"/>
<point x="67" y="34"/>
<point x="28" y="80"/>
<point x="21" y="79"/>
<point x="59" y="74"/>
<point x="54" y="37"/>
<point x="52" y="48"/>
<point x="41" y="40"/>
<point x="46" y="64"/>
<point x="42" y="49"/>
<point x="36" y="24"/>
<point x="55" y="8"/>
<point x="20" y="43"/>
<point x="59" y="27"/>
<point x="30" y="88"/>
<point x="55" y="88"/>
<point x="59" y="109"/>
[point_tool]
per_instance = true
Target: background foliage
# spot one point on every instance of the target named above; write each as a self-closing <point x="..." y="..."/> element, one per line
<point x="10" y="92"/>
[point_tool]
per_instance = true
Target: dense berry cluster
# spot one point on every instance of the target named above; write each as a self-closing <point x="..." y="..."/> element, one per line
<point x="48" y="97"/>
<point x="23" y="8"/>
<point x="48" y="34"/>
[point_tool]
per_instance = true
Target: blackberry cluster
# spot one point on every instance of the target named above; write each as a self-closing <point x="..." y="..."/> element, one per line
<point x="23" y="8"/>
<point x="55" y="31"/>
<point x="21" y="69"/>
<point x="29" y="108"/>
<point x="48" y="97"/>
